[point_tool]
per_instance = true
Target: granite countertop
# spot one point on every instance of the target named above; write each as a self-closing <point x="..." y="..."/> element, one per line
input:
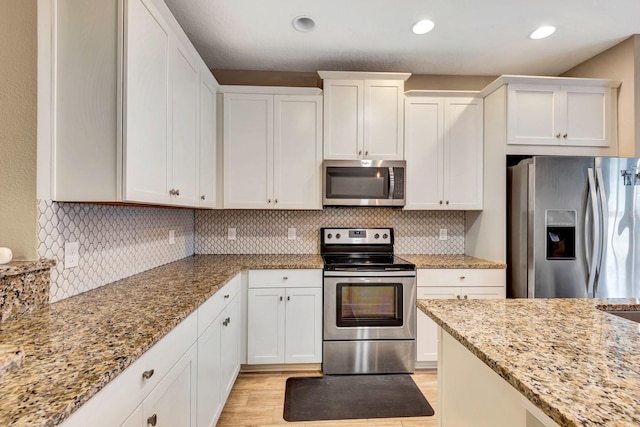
<point x="578" y="364"/>
<point x="74" y="347"/>
<point x="21" y="267"/>
<point x="450" y="261"/>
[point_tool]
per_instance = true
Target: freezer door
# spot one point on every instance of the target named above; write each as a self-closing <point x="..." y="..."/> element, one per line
<point x="619" y="269"/>
<point x="559" y="248"/>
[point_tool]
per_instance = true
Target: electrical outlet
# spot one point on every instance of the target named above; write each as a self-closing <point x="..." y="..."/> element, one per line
<point x="443" y="234"/>
<point x="231" y="234"/>
<point x="291" y="233"/>
<point x="172" y="237"/>
<point x="71" y="254"/>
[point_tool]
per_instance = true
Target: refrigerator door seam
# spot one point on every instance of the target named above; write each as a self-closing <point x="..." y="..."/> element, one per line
<point x="603" y="223"/>
<point x="596" y="233"/>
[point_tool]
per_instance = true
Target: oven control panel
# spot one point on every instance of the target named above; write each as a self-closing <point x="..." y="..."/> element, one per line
<point x="357" y="236"/>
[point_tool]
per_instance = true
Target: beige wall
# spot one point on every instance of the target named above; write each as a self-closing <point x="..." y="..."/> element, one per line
<point x="619" y="63"/>
<point x="18" y="48"/>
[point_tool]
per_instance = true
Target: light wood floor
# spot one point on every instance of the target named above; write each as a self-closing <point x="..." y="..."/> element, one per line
<point x="257" y="399"/>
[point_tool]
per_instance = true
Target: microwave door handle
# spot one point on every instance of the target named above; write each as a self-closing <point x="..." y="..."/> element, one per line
<point x="392" y="183"/>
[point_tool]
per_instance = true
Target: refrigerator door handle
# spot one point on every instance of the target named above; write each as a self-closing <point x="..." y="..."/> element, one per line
<point x="593" y="265"/>
<point x="602" y="223"/>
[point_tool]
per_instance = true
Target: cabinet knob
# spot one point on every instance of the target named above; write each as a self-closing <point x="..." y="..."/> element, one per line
<point x="147" y="374"/>
<point x="288" y="298"/>
<point x="285" y="278"/>
<point x="276" y="201"/>
<point x="202" y="197"/>
<point x="462" y="277"/>
<point x="226" y="296"/>
<point x="466" y="296"/>
<point x="564" y="136"/>
<point x="447" y="202"/>
<point x="280" y="298"/>
<point x="268" y="200"/>
<point x="152" y="420"/>
<point x="557" y="135"/>
<point x="172" y="192"/>
<point x="440" y="201"/>
<point x="360" y="153"/>
<point x="458" y="296"/>
<point x="366" y="153"/>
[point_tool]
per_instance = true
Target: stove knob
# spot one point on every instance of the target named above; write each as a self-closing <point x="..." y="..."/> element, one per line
<point x="385" y="235"/>
<point x="377" y="236"/>
<point x="329" y="236"/>
<point x="338" y="236"/>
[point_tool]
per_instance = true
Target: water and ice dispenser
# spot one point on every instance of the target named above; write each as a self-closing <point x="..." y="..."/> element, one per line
<point x="561" y="234"/>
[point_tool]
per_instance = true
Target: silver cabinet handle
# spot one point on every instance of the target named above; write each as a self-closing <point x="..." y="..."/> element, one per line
<point x="172" y="192"/>
<point x="147" y="374"/>
<point x="447" y="202"/>
<point x="268" y="200"/>
<point x="564" y="136"/>
<point x="226" y="321"/>
<point x="360" y="153"/>
<point x="280" y="298"/>
<point x="202" y="197"/>
<point x="366" y="153"/>
<point x="226" y="296"/>
<point x="276" y="201"/>
<point x="458" y="296"/>
<point x="440" y="201"/>
<point x="288" y="298"/>
<point x="557" y="135"/>
<point x="462" y="277"/>
<point x="285" y="278"/>
<point x="152" y="420"/>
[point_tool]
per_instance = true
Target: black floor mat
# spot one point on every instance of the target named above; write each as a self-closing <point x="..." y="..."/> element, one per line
<point x="341" y="397"/>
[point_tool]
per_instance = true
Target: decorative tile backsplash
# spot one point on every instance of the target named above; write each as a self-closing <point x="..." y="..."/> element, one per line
<point x="115" y="242"/>
<point x="265" y="231"/>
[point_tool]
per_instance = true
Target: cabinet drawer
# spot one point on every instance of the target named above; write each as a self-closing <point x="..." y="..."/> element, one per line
<point x="217" y="302"/>
<point x="285" y="278"/>
<point x="461" y="277"/>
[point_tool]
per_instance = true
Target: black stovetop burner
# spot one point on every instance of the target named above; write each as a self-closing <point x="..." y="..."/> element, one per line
<point x="360" y="249"/>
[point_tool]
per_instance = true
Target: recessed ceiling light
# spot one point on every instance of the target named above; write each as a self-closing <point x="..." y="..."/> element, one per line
<point x="542" y="32"/>
<point x="423" y="27"/>
<point x="303" y="23"/>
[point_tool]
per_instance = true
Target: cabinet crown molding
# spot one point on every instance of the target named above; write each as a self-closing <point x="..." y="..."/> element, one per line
<point x="270" y="90"/>
<point x="447" y="93"/>
<point x="359" y="75"/>
<point x="574" y="81"/>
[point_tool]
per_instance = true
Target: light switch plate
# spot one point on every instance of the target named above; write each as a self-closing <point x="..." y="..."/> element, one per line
<point x="291" y="234"/>
<point x="231" y="234"/>
<point x="172" y="237"/>
<point x="443" y="234"/>
<point x="71" y="254"/>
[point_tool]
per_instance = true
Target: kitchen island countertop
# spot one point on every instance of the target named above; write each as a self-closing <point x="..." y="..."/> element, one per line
<point x="578" y="364"/>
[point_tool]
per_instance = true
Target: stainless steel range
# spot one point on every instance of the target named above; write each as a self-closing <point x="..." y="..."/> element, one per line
<point x="369" y="303"/>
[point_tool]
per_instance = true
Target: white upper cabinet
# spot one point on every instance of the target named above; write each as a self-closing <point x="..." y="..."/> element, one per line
<point x="444" y="152"/>
<point x="127" y="111"/>
<point x="272" y="148"/>
<point x="363" y="115"/>
<point x="559" y="115"/>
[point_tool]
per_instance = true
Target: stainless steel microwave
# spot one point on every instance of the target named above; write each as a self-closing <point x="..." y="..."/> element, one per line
<point x="363" y="183"/>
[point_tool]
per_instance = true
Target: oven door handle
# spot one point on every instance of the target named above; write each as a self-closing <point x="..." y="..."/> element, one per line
<point x="392" y="183"/>
<point x="382" y="273"/>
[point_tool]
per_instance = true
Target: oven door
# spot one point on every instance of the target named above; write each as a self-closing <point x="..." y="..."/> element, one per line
<point x="369" y="307"/>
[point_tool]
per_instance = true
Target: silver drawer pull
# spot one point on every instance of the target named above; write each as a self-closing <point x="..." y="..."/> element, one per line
<point x="203" y="197"/>
<point x="285" y="278"/>
<point x="280" y="298"/>
<point x="152" y="420"/>
<point x="463" y="277"/>
<point x="147" y="374"/>
<point x="226" y="296"/>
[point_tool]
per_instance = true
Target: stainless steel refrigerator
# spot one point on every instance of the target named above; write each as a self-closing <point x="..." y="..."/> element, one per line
<point x="574" y="227"/>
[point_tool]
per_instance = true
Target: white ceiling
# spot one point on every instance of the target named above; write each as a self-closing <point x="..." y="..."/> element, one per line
<point x="471" y="37"/>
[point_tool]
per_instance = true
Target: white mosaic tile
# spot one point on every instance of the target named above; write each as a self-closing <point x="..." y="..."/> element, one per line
<point x="115" y="242"/>
<point x="265" y="232"/>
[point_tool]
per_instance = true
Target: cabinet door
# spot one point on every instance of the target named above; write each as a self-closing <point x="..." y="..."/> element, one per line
<point x="207" y="179"/>
<point x="210" y="401"/>
<point x="248" y="151"/>
<point x="303" y="325"/>
<point x="297" y="152"/>
<point x="184" y="163"/>
<point x="424" y="132"/>
<point x="533" y="116"/>
<point x="230" y="346"/>
<point x="343" y="119"/>
<point x="173" y="401"/>
<point x="265" y="329"/>
<point x="136" y="419"/>
<point x="384" y="119"/>
<point x="586" y="115"/>
<point x="482" y="292"/>
<point x="427" y="329"/>
<point x="146" y="101"/>
<point x="463" y="161"/>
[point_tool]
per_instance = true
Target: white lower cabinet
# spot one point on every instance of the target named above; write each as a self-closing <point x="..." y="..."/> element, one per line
<point x="218" y="351"/>
<point x="284" y="317"/>
<point x="451" y="284"/>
